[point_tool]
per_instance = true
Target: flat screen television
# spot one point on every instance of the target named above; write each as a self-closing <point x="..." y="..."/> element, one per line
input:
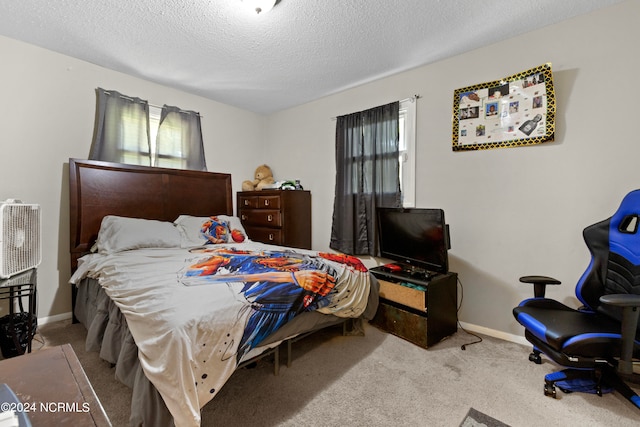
<point x="417" y="238"/>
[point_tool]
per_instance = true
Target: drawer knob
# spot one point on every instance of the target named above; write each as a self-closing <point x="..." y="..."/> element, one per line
<point x="243" y="217"/>
<point x="271" y="236"/>
<point x="269" y="217"/>
<point x="266" y="202"/>
<point x="246" y="202"/>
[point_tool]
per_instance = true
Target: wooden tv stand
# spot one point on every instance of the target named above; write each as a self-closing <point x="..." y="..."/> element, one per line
<point x="420" y="309"/>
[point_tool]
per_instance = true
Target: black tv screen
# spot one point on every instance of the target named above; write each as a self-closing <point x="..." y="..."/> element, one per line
<point x="416" y="237"/>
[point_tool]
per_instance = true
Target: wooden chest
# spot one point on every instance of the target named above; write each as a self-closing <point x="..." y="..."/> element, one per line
<point x="278" y="217"/>
<point x="423" y="313"/>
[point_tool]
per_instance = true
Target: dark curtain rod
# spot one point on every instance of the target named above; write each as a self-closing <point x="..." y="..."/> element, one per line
<point x="411" y="98"/>
<point x="151" y="105"/>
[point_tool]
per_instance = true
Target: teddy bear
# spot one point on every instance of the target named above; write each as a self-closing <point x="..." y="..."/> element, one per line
<point x="263" y="177"/>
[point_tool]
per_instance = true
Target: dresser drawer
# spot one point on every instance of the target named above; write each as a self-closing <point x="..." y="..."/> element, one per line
<point x="408" y="325"/>
<point x="261" y="217"/>
<point x="247" y="202"/>
<point x="413" y="296"/>
<point x="260" y="202"/>
<point x="265" y="235"/>
<point x="269" y="202"/>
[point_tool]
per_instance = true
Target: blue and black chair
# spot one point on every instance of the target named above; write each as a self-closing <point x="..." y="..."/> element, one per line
<point x="598" y="343"/>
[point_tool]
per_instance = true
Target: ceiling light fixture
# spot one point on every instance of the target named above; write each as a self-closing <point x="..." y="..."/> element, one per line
<point x="259" y="6"/>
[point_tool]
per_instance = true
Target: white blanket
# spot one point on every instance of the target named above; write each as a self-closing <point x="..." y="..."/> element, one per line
<point x="194" y="320"/>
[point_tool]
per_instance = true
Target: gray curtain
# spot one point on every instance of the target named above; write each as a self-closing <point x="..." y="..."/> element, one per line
<point x="179" y="132"/>
<point x="122" y="129"/>
<point x="367" y="176"/>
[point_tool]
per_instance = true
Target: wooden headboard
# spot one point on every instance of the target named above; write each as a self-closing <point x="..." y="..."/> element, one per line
<point x="97" y="189"/>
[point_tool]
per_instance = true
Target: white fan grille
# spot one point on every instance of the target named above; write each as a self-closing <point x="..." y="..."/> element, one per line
<point x="20" y="246"/>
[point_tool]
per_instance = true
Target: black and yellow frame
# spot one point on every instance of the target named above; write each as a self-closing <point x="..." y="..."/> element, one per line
<point x="516" y="111"/>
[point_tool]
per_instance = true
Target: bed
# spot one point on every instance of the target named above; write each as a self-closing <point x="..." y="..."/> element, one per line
<point x="175" y="294"/>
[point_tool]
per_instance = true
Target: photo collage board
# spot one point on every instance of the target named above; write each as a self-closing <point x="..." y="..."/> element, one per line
<point x="516" y="111"/>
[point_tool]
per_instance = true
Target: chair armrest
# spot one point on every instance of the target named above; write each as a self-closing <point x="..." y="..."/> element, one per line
<point x="621" y="300"/>
<point x="630" y="314"/>
<point x="539" y="284"/>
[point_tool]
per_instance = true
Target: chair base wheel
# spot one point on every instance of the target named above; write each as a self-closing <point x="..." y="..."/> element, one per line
<point x="535" y="357"/>
<point x="550" y="390"/>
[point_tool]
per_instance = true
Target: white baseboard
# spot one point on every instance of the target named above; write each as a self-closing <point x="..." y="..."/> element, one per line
<point x="495" y="334"/>
<point x="54" y="318"/>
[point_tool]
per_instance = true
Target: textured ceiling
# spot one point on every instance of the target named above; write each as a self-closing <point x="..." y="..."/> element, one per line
<point x="300" y="51"/>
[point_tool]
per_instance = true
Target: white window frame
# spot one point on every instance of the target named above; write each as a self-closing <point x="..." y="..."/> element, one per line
<point x="407" y="151"/>
<point x="154" y="123"/>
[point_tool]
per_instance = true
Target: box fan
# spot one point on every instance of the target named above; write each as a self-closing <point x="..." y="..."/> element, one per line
<point x="20" y="237"/>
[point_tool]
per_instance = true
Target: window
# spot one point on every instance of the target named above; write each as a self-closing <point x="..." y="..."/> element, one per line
<point x="170" y="154"/>
<point x="154" y="124"/>
<point x="407" y="151"/>
<point x="129" y="130"/>
<point x="367" y="176"/>
<point x="134" y="150"/>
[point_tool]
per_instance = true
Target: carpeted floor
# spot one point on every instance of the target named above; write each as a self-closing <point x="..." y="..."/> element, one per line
<point x="376" y="380"/>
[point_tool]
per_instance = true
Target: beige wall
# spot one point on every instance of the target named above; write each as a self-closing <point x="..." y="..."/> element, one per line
<point x="47" y="115"/>
<point x="512" y="211"/>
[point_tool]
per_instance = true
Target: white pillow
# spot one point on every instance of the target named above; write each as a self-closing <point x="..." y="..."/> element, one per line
<point x="119" y="234"/>
<point x="198" y="231"/>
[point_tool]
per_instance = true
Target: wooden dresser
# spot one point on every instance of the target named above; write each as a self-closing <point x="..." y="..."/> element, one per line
<point x="278" y="217"/>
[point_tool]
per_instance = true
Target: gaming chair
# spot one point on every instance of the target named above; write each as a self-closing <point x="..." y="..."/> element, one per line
<point x="598" y="342"/>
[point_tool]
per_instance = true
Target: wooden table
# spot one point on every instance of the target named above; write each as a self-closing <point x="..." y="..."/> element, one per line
<point x="53" y="387"/>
